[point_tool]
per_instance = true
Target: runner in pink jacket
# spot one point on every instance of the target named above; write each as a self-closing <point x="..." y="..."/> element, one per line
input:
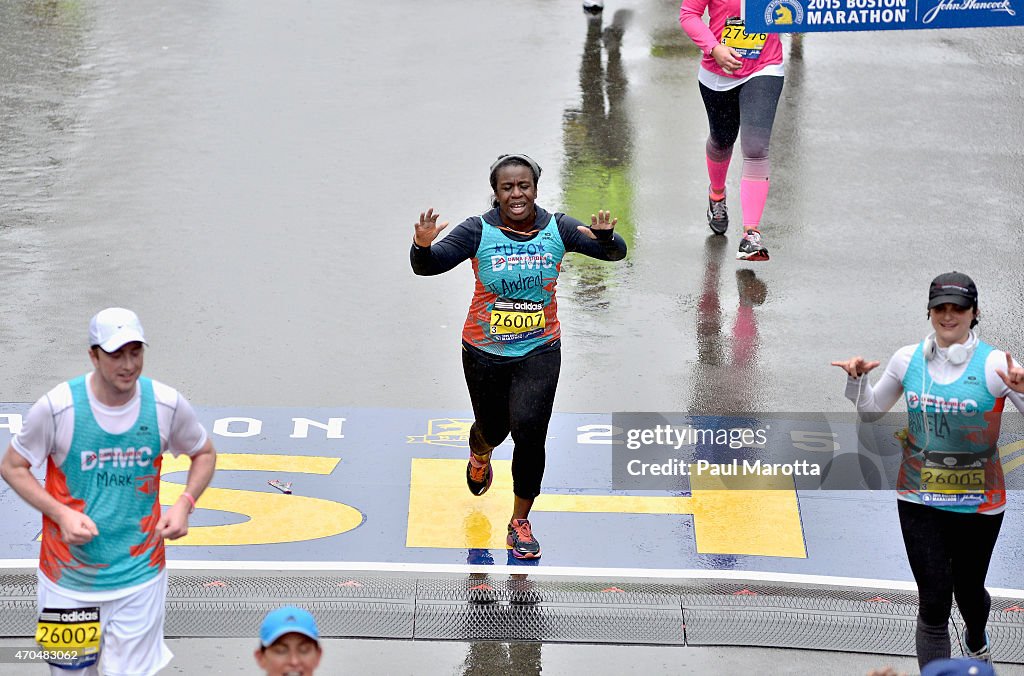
<point x="741" y="76"/>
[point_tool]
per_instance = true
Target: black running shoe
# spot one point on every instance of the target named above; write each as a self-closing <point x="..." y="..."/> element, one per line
<point x="718" y="216"/>
<point x="984" y="653"/>
<point x="751" y="248"/>
<point x="479" y="478"/>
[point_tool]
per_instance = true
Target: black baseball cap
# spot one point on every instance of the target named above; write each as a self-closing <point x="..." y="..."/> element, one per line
<point x="952" y="287"/>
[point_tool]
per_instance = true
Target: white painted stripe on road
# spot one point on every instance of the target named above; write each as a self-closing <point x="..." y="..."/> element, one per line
<point x="547" y="571"/>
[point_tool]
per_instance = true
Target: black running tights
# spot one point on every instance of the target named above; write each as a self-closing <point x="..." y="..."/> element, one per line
<point x="949" y="553"/>
<point x="514" y="396"/>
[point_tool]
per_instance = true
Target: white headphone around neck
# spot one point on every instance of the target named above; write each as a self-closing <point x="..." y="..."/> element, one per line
<point x="956" y="354"/>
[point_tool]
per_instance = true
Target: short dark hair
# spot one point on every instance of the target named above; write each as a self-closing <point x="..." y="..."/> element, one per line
<point x="514" y="161"/>
<point x="974" y="319"/>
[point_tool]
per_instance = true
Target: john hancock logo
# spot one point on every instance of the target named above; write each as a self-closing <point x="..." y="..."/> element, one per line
<point x="445" y="432"/>
<point x="1001" y="6"/>
<point x="783" y="13"/>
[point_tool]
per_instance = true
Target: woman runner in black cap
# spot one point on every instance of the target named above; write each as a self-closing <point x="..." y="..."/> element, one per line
<point x="950" y="484"/>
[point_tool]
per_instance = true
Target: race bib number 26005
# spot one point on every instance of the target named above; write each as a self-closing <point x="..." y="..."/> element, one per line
<point x="947" y="486"/>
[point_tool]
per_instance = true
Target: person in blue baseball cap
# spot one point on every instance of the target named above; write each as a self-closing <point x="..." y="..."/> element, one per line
<point x="289" y="643"/>
<point x="959" y="666"/>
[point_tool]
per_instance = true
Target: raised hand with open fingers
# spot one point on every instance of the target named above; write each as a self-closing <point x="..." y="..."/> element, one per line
<point x="602" y="225"/>
<point x="856" y="366"/>
<point x="427" y="228"/>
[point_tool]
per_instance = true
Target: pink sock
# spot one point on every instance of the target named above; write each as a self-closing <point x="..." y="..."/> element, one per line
<point x="754" y="191"/>
<point x="717" y="172"/>
<point x="753" y="195"/>
<point x="477" y="463"/>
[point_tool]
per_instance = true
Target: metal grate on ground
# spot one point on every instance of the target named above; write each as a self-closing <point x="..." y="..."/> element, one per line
<point x="553" y="609"/>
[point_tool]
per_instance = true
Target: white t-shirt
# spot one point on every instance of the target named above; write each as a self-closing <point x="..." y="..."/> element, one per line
<point x="873" y="401"/>
<point x="50" y="424"/>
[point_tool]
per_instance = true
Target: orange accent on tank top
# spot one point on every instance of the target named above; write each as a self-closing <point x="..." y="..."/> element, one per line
<point x="55" y="554"/>
<point x="149" y="523"/>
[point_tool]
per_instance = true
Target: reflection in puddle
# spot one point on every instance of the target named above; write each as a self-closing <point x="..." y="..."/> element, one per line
<point x="725" y="375"/>
<point x="598" y="146"/>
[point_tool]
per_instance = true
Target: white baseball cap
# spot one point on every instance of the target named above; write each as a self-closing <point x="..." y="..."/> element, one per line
<point x="115" y="327"/>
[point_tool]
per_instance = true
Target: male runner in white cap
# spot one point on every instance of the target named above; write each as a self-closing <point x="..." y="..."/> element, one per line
<point x="102" y="579"/>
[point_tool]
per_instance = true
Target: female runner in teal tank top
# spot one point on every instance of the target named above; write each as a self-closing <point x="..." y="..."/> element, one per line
<point x="511" y="340"/>
<point x="950" y="484"/>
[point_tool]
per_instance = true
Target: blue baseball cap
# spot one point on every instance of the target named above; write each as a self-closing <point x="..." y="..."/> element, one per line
<point x="287" y="620"/>
<point x="958" y="667"/>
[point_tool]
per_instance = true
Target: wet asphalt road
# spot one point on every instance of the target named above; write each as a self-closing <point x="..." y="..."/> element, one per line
<point x="246" y="174"/>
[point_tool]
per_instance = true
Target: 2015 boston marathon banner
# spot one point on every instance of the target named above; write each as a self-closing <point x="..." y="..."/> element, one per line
<point x="806" y="16"/>
<point x="650" y="493"/>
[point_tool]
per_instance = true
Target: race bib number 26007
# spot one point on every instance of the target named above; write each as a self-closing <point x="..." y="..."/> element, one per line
<point x="513" y="319"/>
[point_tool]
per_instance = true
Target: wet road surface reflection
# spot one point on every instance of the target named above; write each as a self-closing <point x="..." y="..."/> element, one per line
<point x="725" y="374"/>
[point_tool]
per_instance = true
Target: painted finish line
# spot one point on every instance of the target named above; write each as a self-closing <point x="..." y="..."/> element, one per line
<point x="388" y="485"/>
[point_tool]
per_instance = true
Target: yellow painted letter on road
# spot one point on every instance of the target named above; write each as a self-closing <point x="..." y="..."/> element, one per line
<point x="273" y="517"/>
<point x="442" y="513"/>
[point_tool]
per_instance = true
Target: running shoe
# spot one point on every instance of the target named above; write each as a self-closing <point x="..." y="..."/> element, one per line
<point x="984" y="653"/>
<point x="479" y="479"/>
<point x="520" y="539"/>
<point x="593" y="6"/>
<point x="718" y="215"/>
<point x="751" y="248"/>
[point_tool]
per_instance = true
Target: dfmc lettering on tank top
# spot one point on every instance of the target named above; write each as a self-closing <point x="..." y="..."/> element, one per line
<point x="117" y="458"/>
<point x="522" y="262"/>
<point x="967" y="407"/>
<point x="520" y="256"/>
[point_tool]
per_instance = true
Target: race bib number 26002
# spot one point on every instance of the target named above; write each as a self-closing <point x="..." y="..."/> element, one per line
<point x="70" y="636"/>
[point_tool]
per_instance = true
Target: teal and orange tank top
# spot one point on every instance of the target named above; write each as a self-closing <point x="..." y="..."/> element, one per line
<point x="951" y="455"/>
<point x="514" y="310"/>
<point x="114" y="479"/>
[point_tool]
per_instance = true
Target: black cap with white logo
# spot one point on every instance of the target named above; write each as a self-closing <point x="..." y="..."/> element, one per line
<point x="952" y="287"/>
